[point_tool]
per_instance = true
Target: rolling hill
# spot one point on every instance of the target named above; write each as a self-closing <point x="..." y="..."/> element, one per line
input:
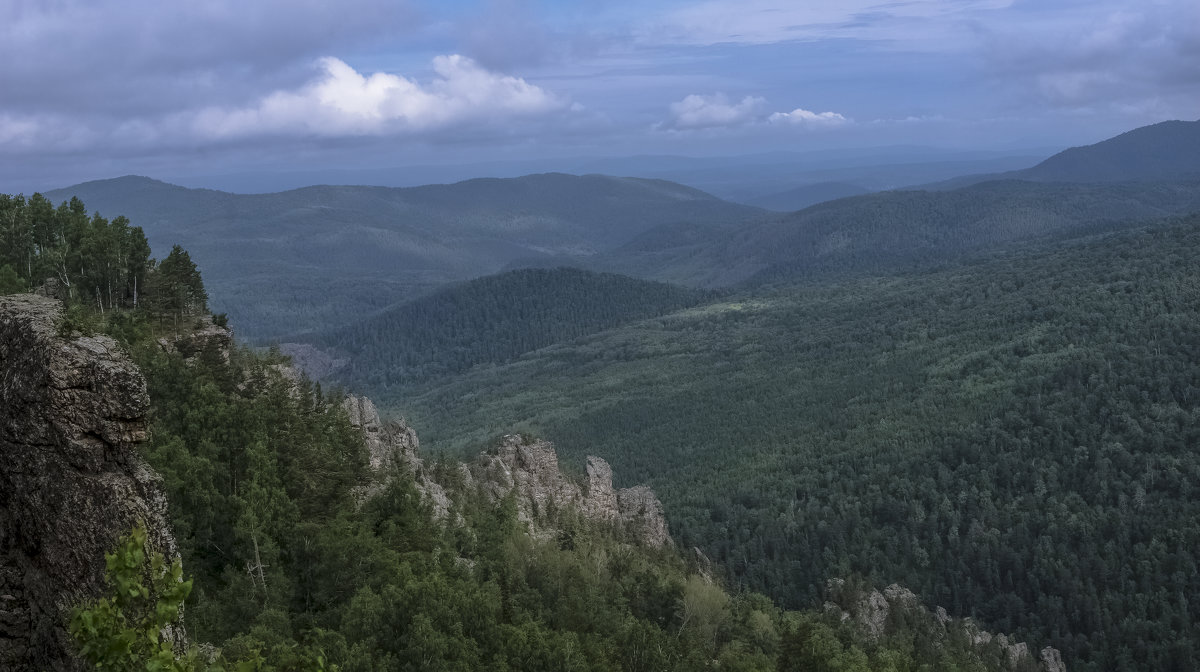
<point x="295" y="261"/>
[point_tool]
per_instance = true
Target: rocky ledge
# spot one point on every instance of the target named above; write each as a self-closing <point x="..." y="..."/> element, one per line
<point x="72" y="413"/>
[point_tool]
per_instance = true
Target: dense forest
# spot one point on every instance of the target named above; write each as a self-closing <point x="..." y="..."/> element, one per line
<point x="492" y="320"/>
<point x="265" y="473"/>
<point x="1011" y="437"/>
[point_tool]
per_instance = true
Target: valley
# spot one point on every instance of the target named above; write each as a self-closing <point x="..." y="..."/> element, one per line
<point x="983" y="392"/>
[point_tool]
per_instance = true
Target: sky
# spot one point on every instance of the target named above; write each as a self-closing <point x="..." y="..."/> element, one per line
<point x="100" y="88"/>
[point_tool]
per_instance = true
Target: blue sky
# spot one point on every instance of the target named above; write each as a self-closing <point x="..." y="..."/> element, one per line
<point x="98" y="88"/>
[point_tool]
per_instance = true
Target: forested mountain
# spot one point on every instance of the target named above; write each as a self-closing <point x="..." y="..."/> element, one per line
<point x="1163" y="151"/>
<point x="300" y="260"/>
<point x="1169" y="150"/>
<point x="492" y="320"/>
<point x="892" y="230"/>
<point x="1010" y="437"/>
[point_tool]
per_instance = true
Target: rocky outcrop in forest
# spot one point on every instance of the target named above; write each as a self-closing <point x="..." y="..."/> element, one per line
<point x="72" y="413"/>
<point x="524" y="466"/>
<point x="878" y="612"/>
<point x="394" y="444"/>
<point x="530" y="468"/>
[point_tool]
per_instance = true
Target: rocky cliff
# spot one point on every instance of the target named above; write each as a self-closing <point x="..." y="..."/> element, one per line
<point x="390" y="444"/>
<point x="525" y="467"/>
<point x="876" y="613"/>
<point x="529" y="468"/>
<point x="72" y="413"/>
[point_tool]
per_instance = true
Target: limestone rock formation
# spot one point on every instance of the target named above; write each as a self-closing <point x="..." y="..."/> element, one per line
<point x="72" y="413"/>
<point x="394" y="443"/>
<point x="205" y="339"/>
<point x="642" y="514"/>
<point x="1052" y="661"/>
<point x="530" y="467"/>
<point x="600" y="502"/>
<point x="874" y="612"/>
<point x="385" y="442"/>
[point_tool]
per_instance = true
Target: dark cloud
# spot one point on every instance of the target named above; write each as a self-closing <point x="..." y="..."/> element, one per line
<point x="1103" y="56"/>
<point x="144" y="56"/>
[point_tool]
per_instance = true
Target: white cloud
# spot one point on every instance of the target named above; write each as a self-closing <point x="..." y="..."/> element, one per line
<point x="700" y="111"/>
<point x="343" y="102"/>
<point x="802" y="117"/>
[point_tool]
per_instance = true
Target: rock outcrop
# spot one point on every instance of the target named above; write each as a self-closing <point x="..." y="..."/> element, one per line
<point x="529" y="467"/>
<point x="394" y="443"/>
<point x="386" y="442"/>
<point x="875" y="611"/>
<point x="206" y="339"/>
<point x="72" y="413"/>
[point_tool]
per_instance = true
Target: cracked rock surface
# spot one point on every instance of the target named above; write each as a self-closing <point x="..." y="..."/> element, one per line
<point x="72" y="413"/>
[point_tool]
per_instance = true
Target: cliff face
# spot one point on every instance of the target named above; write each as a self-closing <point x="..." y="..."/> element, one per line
<point x="72" y="413"/>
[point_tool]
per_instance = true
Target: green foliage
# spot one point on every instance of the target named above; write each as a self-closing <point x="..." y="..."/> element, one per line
<point x="127" y="630"/>
<point x="176" y="286"/>
<point x="1009" y="437"/>
<point x="10" y="282"/>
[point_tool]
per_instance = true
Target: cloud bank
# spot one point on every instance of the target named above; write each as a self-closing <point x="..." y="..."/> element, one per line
<point x="701" y="111"/>
<point x="698" y="111"/>
<point x="802" y="117"/>
<point x="344" y="102"/>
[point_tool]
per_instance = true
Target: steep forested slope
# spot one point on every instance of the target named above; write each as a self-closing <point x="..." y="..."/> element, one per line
<point x="1013" y="437"/>
<point x="309" y="258"/>
<point x="492" y="320"/>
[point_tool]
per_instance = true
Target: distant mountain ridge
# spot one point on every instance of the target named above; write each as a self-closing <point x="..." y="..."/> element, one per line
<point x="297" y="260"/>
<point x="1164" y="151"/>
<point x="1168" y="150"/>
<point x="891" y="230"/>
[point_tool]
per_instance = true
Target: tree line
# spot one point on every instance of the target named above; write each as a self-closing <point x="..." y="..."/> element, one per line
<point x="92" y="261"/>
